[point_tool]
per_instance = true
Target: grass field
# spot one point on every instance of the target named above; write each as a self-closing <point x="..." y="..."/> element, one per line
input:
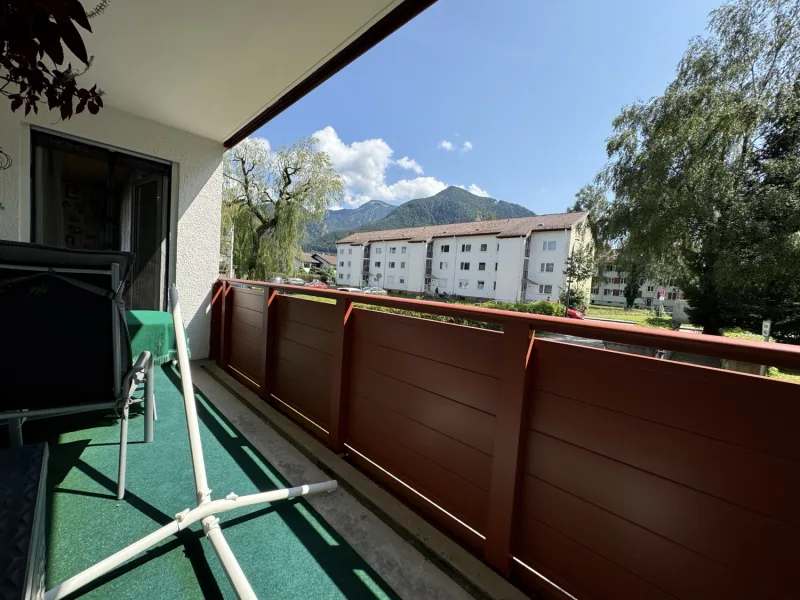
<point x="639" y="316"/>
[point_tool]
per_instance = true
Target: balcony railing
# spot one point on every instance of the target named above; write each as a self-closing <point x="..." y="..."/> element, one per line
<point x="609" y="474"/>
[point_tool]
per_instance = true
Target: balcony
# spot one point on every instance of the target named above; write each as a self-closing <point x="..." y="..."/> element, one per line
<point x="572" y="470"/>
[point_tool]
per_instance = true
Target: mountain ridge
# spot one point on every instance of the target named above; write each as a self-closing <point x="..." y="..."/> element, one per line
<point x="451" y="205"/>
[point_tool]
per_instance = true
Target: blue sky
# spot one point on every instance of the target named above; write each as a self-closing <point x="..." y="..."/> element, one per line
<point x="532" y="85"/>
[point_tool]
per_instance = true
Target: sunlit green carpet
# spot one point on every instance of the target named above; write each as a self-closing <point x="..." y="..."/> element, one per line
<point x="286" y="550"/>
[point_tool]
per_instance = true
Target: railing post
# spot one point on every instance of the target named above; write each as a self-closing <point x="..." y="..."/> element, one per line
<point x="508" y="440"/>
<point x="340" y="374"/>
<point x="216" y="309"/>
<point x="268" y="349"/>
<point x="226" y="313"/>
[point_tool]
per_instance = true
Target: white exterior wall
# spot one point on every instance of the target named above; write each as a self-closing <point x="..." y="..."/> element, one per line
<point x="416" y="267"/>
<point x="349" y="273"/>
<point x="452" y="272"/>
<point x="195" y="198"/>
<point x="539" y="256"/>
<point x="509" y="269"/>
<point x="395" y="278"/>
<point x="649" y="290"/>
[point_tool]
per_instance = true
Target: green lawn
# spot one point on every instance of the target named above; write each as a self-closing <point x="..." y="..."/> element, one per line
<point x="640" y="316"/>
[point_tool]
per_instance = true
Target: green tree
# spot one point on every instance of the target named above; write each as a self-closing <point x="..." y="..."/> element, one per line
<point x="579" y="268"/>
<point x="680" y="164"/>
<point x="269" y="197"/>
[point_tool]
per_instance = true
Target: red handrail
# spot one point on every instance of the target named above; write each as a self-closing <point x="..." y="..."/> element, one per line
<point x="778" y="355"/>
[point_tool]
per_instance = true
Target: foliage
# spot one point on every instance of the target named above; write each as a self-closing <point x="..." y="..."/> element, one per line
<point x="269" y="197"/>
<point x="577" y="297"/>
<point x="31" y="30"/>
<point x="680" y="164"/>
<point x="451" y="205"/>
<point x="659" y="323"/>
<point x="541" y="307"/>
<point x="327" y="275"/>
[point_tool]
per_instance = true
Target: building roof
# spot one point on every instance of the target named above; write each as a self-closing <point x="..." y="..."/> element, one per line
<point x="328" y="258"/>
<point x="503" y="228"/>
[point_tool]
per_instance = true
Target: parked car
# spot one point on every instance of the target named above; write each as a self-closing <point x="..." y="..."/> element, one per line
<point x="277" y="280"/>
<point x="295" y="281"/>
<point x="374" y="290"/>
<point x="316" y="284"/>
<point x="574" y="314"/>
<point x="350" y="289"/>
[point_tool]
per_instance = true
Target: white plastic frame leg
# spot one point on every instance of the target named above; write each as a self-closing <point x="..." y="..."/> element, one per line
<point x="206" y="508"/>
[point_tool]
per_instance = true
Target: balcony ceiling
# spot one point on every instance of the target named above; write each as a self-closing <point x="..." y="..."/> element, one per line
<point x="210" y="68"/>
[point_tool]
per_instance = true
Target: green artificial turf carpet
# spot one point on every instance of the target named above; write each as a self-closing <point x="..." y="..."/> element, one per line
<point x="286" y="550"/>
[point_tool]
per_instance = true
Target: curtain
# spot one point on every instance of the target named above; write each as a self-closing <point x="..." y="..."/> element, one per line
<point x="48" y="208"/>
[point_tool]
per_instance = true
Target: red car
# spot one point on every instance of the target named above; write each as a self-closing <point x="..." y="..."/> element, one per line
<point x="574" y="314"/>
<point x="317" y="284"/>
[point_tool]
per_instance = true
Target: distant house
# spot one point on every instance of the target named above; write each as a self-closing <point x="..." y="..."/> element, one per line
<point x="314" y="262"/>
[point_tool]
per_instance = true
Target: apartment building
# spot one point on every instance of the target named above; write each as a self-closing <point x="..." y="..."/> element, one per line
<point x="608" y="290"/>
<point x="508" y="259"/>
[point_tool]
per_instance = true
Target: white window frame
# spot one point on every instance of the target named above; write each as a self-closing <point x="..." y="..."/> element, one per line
<point x="481" y="284"/>
<point x="484" y="247"/>
<point x="392" y="249"/>
<point x="403" y="250"/>
<point x="463" y="284"/>
<point x="462" y="266"/>
<point x="444" y="248"/>
<point x="466" y="247"/>
<point x="378" y="250"/>
<point x="481" y="266"/>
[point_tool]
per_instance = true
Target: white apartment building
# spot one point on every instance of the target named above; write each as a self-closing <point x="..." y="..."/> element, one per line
<point x="508" y="259"/>
<point x="609" y="291"/>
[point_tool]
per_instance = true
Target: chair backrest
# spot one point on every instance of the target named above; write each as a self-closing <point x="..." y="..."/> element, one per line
<point x="56" y="336"/>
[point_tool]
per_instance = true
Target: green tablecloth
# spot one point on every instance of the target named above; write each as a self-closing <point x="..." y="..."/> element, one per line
<point x="152" y="330"/>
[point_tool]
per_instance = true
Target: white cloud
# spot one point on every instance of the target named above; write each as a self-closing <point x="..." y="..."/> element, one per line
<point x="474" y="189"/>
<point x="466" y="147"/>
<point x="409" y="163"/>
<point x="446" y="145"/>
<point x="363" y="166"/>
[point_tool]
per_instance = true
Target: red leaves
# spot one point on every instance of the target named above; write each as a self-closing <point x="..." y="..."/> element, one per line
<point x="31" y="29"/>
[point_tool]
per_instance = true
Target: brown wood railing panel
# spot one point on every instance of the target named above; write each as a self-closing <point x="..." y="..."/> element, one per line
<point x="302" y="346"/>
<point x="630" y="488"/>
<point x="246" y="334"/>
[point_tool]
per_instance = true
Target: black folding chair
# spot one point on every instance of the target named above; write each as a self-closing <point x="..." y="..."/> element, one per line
<point x="64" y="343"/>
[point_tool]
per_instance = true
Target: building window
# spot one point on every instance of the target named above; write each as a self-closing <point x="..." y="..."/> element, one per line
<point x="341" y="263"/>
<point x="443" y="264"/>
<point x="466" y="247"/>
<point x="445" y="248"/>
<point x="391" y="265"/>
<point x="546" y="267"/>
<point x="377" y="264"/>
<point x="480" y="285"/>
<point x="481" y="266"/>
<point x="349" y="250"/>
<point x="402" y="265"/>
<point x="495" y="266"/>
<point x="463" y="283"/>
<point x="616" y="292"/>
<point x="623" y="280"/>
<point x="393" y="249"/>
<point x="650" y="288"/>
<point x="341" y="275"/>
<point x="465" y="266"/>
<point x="483" y="247"/>
<point x="378" y="250"/>
<point x="609" y="268"/>
<point x="545" y="289"/>
<point x="402" y="280"/>
<point x="390" y="279"/>
<point x="403" y="250"/>
<point x="639" y="294"/>
<point x="349" y="262"/>
<point x="548" y="246"/>
<point x="341" y="250"/>
<point x="498" y="246"/>
<point x="615" y="280"/>
<point x="606" y="291"/>
<point x="595" y="291"/>
<point x="494" y="285"/>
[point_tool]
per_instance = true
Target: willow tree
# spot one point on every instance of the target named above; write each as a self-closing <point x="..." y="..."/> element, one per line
<point x="269" y="197"/>
<point x="680" y="163"/>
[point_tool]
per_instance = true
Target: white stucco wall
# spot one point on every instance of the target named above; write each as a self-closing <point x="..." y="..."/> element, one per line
<point x="196" y="195"/>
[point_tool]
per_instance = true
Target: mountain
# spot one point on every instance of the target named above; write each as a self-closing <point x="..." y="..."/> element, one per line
<point x="451" y="205"/>
<point x="348" y="218"/>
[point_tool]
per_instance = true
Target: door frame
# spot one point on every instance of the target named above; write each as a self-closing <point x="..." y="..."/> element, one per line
<point x="165" y="169"/>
